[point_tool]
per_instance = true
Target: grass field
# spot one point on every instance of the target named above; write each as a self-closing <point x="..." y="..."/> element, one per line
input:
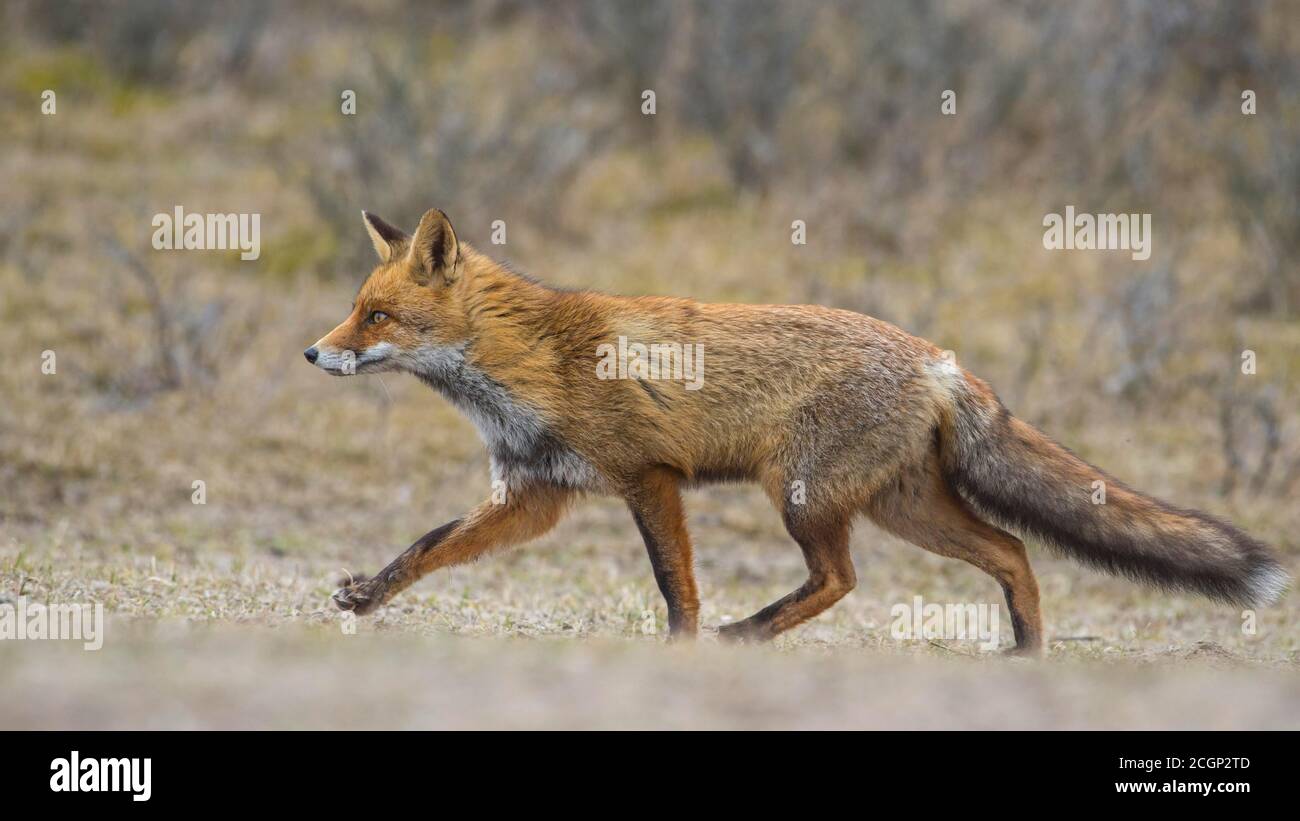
<point x="219" y="613"/>
<point x="182" y="367"/>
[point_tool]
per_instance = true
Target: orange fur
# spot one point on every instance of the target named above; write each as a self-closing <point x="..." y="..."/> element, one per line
<point x="832" y="412"/>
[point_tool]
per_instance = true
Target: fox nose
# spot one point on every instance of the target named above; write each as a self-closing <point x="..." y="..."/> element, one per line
<point x="311" y="354"/>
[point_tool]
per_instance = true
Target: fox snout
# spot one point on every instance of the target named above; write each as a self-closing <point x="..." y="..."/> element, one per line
<point x="335" y="361"/>
<point x="342" y="361"/>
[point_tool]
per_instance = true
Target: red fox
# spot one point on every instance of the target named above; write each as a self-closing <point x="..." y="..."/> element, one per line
<point x="832" y="413"/>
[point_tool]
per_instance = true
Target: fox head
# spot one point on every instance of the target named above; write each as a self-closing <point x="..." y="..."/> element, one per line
<point x="409" y="307"/>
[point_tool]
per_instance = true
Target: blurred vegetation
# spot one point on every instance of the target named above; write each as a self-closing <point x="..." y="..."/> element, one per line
<point x="767" y="112"/>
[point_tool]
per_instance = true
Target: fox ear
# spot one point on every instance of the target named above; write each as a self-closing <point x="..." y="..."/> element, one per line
<point x="388" y="240"/>
<point x="435" y="251"/>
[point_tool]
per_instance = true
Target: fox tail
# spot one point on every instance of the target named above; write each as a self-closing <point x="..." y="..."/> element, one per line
<point x="1017" y="476"/>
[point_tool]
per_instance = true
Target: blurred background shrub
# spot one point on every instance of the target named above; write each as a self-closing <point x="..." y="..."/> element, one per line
<point x="767" y="112"/>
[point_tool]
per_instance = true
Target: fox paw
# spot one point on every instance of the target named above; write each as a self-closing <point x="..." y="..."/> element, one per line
<point x="1025" y="651"/>
<point x="743" y="632"/>
<point x="359" y="595"/>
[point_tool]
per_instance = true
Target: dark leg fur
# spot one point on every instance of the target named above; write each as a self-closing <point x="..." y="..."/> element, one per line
<point x="656" y="505"/>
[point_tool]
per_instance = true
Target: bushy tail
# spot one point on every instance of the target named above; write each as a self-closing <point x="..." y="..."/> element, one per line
<point x="1017" y="476"/>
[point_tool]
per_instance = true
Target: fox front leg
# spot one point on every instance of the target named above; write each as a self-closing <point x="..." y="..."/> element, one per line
<point x="364" y="594"/>
<point x="656" y="505"/>
<point x="526" y="514"/>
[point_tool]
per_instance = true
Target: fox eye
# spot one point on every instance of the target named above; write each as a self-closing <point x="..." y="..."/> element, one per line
<point x="377" y="316"/>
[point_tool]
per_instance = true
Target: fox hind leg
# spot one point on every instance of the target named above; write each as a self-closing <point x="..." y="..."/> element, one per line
<point x="924" y="509"/>
<point x="825" y="544"/>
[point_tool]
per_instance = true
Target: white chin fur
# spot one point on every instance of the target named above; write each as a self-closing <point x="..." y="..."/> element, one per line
<point x="346" y="363"/>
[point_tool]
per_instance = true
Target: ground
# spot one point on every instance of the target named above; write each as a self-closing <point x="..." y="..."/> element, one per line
<point x="219" y="613"/>
<point x="138" y="382"/>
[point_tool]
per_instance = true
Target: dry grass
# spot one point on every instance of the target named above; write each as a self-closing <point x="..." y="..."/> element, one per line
<point x="219" y="614"/>
<point x="165" y="675"/>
